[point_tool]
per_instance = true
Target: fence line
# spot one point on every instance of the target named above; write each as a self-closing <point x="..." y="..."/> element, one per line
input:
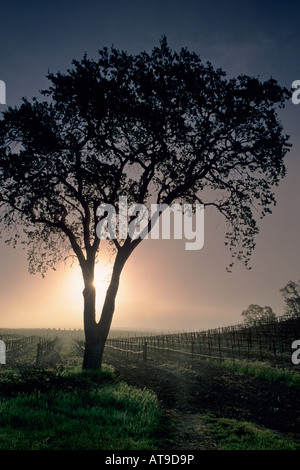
<point x="129" y="350"/>
<point x="269" y="342"/>
<point x="14" y="342"/>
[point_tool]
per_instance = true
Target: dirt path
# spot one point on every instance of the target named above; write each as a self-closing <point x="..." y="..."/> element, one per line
<point x="189" y="389"/>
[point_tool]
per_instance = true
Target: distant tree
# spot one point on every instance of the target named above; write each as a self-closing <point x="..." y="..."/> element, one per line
<point x="255" y="314"/>
<point x="158" y="126"/>
<point x="291" y="294"/>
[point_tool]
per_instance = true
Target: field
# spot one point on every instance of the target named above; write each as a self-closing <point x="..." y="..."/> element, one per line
<point x="48" y="403"/>
<point x="170" y="399"/>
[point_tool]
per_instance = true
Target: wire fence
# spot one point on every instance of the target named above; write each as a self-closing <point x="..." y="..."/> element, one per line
<point x="269" y="342"/>
<point x="12" y="344"/>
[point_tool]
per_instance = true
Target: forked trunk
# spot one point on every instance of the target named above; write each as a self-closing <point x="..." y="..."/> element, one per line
<point x="96" y="333"/>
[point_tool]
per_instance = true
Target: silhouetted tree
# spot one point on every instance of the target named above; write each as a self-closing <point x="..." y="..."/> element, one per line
<point x="291" y="294"/>
<point x="255" y="314"/>
<point x="161" y="125"/>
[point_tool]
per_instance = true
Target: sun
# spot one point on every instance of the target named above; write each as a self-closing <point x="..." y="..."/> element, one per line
<point x="75" y="285"/>
<point x="102" y="275"/>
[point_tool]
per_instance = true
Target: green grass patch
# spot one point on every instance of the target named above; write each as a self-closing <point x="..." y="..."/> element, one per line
<point x="75" y="410"/>
<point x="231" y="434"/>
<point x="261" y="369"/>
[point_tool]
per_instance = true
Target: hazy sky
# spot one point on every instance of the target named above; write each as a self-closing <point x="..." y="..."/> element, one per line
<point x="163" y="286"/>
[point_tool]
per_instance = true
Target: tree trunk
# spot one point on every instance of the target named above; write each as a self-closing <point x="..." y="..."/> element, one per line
<point x="92" y="353"/>
<point x="96" y="333"/>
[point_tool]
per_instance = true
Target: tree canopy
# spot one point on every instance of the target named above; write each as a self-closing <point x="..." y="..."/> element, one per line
<point x="161" y="124"/>
<point x="256" y="314"/>
<point x="291" y="295"/>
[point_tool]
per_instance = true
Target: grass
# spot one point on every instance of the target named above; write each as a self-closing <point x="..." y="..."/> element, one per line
<point x="73" y="410"/>
<point x="261" y="369"/>
<point x="231" y="434"/>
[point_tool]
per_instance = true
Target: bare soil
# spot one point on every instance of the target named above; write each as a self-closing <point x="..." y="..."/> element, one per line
<point x="189" y="389"/>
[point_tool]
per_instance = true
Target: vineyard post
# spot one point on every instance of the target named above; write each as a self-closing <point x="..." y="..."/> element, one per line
<point x="145" y="351"/>
<point x="281" y="351"/>
<point x="274" y="350"/>
<point x="199" y="336"/>
<point x="209" y="345"/>
<point x="260" y="347"/>
<point x="249" y="348"/>
<point x="38" y="353"/>
<point x="219" y="346"/>
<point x="239" y="342"/>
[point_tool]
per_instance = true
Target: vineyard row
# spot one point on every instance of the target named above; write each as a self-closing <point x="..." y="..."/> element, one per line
<point x="267" y="342"/>
<point x="12" y="344"/>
